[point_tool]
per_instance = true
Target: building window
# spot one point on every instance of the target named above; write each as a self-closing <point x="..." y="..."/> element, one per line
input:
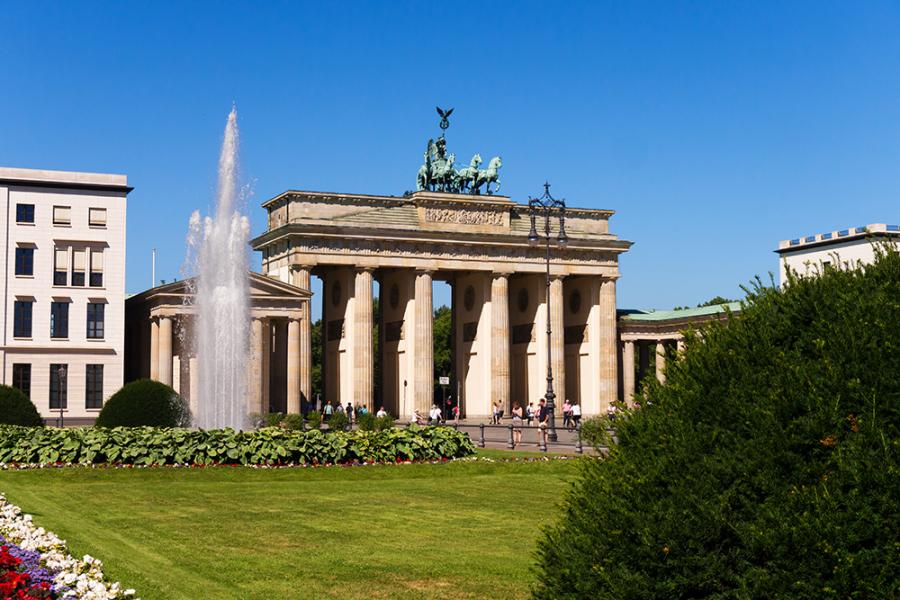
<point x="24" y="213"/>
<point x="97" y="217"/>
<point x="24" y="261"/>
<point x="62" y="215"/>
<point x="94" y="388"/>
<point x="79" y="260"/>
<point x="59" y="386"/>
<point x="95" y="320"/>
<point x="60" y="266"/>
<point x="96" y="268"/>
<point x="22" y="378"/>
<point x="59" y="319"/>
<point x="22" y="318"/>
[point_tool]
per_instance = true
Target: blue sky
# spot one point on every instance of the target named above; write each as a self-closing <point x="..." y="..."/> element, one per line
<point x="714" y="130"/>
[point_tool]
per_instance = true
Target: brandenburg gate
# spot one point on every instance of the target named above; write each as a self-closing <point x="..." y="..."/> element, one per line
<point x="479" y="245"/>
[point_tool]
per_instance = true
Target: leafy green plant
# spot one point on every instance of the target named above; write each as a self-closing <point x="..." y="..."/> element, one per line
<point x="268" y="446"/>
<point x="292" y="421"/>
<point x="145" y="403"/>
<point x="339" y="421"/>
<point x="314" y="419"/>
<point x="384" y="422"/>
<point x="272" y="419"/>
<point x="17" y="409"/>
<point x="765" y="467"/>
<point x="366" y="421"/>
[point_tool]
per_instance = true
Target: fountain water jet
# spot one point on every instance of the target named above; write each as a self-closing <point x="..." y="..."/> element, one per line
<point x="219" y="247"/>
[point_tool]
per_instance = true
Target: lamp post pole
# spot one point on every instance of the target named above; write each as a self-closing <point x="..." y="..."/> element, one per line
<point x="546" y="205"/>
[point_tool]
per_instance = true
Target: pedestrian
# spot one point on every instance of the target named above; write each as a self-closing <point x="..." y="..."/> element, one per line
<point x="543" y="422"/>
<point x="517" y="424"/>
<point x="567" y="413"/>
<point x="495" y="414"/>
<point x="456" y="413"/>
<point x="381" y="413"/>
<point x="328" y="410"/>
<point x="350" y="413"/>
<point x="529" y="412"/>
<point x="576" y="414"/>
<point x="435" y="415"/>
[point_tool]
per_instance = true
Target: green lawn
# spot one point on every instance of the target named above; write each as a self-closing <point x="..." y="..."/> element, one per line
<point x="457" y="530"/>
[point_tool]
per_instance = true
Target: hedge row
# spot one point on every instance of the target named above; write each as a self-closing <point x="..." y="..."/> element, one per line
<point x="270" y="446"/>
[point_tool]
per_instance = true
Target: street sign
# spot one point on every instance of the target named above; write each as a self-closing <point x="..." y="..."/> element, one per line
<point x="444" y="380"/>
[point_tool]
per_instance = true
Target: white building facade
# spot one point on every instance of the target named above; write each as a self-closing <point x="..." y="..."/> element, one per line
<point x="845" y="247"/>
<point x="63" y="289"/>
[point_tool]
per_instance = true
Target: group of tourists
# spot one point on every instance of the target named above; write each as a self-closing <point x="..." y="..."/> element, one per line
<point x="436" y="416"/>
<point x="333" y="408"/>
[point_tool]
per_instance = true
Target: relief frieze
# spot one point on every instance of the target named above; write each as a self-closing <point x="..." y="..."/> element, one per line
<point x="463" y="216"/>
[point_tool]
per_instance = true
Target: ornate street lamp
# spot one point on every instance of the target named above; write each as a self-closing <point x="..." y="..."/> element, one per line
<point x="547" y="205"/>
<point x="61" y="376"/>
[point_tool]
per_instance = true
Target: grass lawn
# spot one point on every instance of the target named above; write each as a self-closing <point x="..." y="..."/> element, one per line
<point x="456" y="530"/>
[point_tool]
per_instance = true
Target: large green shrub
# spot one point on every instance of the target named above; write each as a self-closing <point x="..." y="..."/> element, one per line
<point x="766" y="467"/>
<point x="17" y="409"/>
<point x="145" y="403"/>
<point x="270" y="446"/>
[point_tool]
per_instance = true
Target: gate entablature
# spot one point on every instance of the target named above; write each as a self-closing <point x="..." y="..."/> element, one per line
<point x="428" y="230"/>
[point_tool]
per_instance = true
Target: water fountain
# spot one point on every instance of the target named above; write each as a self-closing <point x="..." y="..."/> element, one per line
<point x="219" y="249"/>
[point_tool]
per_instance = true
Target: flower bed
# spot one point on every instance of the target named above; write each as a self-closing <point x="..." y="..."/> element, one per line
<point x="34" y="563"/>
<point x="271" y="446"/>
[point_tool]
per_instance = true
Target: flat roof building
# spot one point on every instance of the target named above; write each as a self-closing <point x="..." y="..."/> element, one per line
<point x="847" y="247"/>
<point x="63" y="289"/>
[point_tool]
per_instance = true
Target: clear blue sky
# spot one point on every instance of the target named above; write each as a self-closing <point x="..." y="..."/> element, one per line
<point x="712" y="129"/>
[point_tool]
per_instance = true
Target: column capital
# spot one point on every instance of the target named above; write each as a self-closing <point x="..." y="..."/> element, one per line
<point x="297" y="267"/>
<point x="558" y="276"/>
<point x="425" y="271"/>
<point x="364" y="269"/>
<point x="504" y="274"/>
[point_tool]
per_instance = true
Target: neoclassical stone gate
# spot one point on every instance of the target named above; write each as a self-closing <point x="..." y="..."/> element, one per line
<point x="479" y="245"/>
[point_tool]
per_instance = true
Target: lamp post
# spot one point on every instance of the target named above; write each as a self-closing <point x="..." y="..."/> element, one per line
<point x="61" y="377"/>
<point x="546" y="206"/>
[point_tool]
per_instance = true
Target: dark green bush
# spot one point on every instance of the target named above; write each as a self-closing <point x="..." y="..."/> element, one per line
<point x="366" y="421"/>
<point x="145" y="403"/>
<point x="293" y="422"/>
<point x="272" y="419"/>
<point x="339" y="421"/>
<point x="269" y="446"/>
<point x="766" y="467"/>
<point x="313" y="420"/>
<point x="17" y="409"/>
<point x="384" y="423"/>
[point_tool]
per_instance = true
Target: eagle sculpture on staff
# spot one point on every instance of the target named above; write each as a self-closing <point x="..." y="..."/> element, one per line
<point x="445" y="116"/>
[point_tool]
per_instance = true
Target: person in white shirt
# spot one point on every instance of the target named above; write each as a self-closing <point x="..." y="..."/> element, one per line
<point x="381" y="412"/>
<point x="576" y="414"/>
<point x="435" y="415"/>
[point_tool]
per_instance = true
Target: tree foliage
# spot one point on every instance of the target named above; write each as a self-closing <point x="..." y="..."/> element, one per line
<point x="442" y="341"/>
<point x="767" y="465"/>
<point x="17" y="409"/>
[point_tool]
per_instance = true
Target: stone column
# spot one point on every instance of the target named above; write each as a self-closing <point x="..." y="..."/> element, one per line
<point x="363" y="358"/>
<point x="609" y="372"/>
<point x="423" y="390"/>
<point x="254" y="385"/>
<point x="154" y="349"/>
<point x="302" y="281"/>
<point x="644" y="350"/>
<point x="165" y="350"/>
<point x="628" y="372"/>
<point x="661" y="361"/>
<point x="293" y="367"/>
<point x="557" y="342"/>
<point x="500" y="341"/>
<point x="194" y="381"/>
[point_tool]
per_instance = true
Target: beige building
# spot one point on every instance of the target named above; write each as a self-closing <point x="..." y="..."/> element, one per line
<point x="159" y="341"/>
<point x="850" y="246"/>
<point x="477" y="244"/>
<point x="63" y="288"/>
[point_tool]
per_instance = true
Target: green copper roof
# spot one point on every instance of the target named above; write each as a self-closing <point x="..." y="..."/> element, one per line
<point x="687" y="313"/>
